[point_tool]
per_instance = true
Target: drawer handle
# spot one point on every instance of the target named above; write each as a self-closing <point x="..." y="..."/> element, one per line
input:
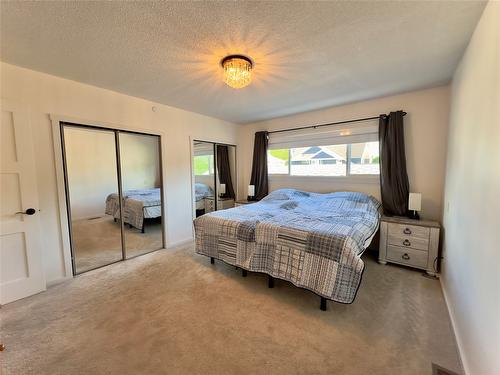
<point x="405" y="256"/>
<point x="407" y="231"/>
<point x="406" y="243"/>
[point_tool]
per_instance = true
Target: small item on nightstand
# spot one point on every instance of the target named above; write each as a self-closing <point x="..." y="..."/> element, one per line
<point x="222" y="189"/>
<point x="251" y="192"/>
<point x="414" y="205"/>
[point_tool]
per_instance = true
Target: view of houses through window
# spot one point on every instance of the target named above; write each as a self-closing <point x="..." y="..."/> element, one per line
<point x="336" y="160"/>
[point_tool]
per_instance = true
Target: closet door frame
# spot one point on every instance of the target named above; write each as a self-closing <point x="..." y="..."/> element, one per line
<point x="58" y="123"/>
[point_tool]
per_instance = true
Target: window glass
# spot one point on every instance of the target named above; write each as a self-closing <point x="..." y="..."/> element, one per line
<point x="364" y="158"/>
<point x="203" y="165"/>
<point x="277" y="161"/>
<point x="319" y="161"/>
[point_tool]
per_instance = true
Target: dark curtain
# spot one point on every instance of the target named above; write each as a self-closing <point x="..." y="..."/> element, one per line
<point x="259" y="165"/>
<point x="394" y="186"/>
<point x="224" y="170"/>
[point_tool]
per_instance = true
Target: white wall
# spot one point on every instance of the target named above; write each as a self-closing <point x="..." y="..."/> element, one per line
<point x="140" y="161"/>
<point x="471" y="267"/>
<point x="91" y="166"/>
<point x="426" y="129"/>
<point x="43" y="94"/>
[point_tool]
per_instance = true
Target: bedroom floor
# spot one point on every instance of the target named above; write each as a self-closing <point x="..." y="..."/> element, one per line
<point x="98" y="241"/>
<point x="173" y="312"/>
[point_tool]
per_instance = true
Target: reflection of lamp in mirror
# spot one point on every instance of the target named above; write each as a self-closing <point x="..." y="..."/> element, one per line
<point x="222" y="189"/>
<point x="414" y="205"/>
<point x="251" y="192"/>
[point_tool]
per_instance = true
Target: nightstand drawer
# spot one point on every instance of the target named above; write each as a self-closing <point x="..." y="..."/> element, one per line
<point x="409" y="257"/>
<point x="406" y="231"/>
<point x="225" y="204"/>
<point x="209" y="205"/>
<point x="410" y="242"/>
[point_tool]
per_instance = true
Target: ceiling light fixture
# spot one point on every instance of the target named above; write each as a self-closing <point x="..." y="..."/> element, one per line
<point x="237" y="71"/>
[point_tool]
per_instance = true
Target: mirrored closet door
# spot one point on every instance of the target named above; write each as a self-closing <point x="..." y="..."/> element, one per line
<point x="141" y="182"/>
<point x="92" y="190"/>
<point x="214" y="174"/>
<point x="113" y="193"/>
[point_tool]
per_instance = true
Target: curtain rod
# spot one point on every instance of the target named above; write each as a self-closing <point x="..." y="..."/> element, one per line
<point x="329" y="124"/>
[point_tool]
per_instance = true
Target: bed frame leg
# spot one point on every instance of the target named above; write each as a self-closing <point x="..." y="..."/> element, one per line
<point x="142" y="230"/>
<point x="322" y="304"/>
<point x="212" y="261"/>
<point x="114" y="219"/>
<point x="243" y="272"/>
<point x="270" y="282"/>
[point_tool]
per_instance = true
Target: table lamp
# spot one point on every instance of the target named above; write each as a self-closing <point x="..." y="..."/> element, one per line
<point x="414" y="205"/>
<point x="251" y="192"/>
<point x="222" y="189"/>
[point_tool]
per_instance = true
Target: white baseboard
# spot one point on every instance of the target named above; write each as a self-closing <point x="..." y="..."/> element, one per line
<point x="178" y="244"/>
<point x="58" y="281"/>
<point x="458" y="341"/>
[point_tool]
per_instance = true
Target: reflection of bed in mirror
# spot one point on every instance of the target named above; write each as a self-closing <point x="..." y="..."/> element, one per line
<point x="202" y="191"/>
<point x="138" y="205"/>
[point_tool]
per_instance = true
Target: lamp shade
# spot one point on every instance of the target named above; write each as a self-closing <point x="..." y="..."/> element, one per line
<point x="251" y="190"/>
<point x="415" y="202"/>
<point x="222" y="188"/>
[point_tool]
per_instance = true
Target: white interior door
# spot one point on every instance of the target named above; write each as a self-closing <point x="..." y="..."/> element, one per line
<point x="21" y="269"/>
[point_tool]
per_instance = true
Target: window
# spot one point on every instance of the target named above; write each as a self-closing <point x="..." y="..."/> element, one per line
<point x="330" y="161"/>
<point x="203" y="165"/>
<point x="364" y="158"/>
<point x="319" y="161"/>
<point x="278" y="161"/>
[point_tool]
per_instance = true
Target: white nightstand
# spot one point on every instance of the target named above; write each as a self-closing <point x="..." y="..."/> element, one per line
<point x="222" y="204"/>
<point x="413" y="243"/>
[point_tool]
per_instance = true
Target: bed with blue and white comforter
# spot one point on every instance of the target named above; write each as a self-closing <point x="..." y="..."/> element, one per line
<point x="313" y="240"/>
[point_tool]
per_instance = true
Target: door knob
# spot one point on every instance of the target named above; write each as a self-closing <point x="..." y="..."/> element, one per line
<point x="29" y="211"/>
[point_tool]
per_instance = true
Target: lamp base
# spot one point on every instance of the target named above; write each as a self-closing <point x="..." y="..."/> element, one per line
<point x="414" y="215"/>
<point x="251" y="198"/>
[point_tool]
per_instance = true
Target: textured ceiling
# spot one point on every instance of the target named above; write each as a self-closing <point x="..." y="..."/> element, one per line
<point x="308" y="55"/>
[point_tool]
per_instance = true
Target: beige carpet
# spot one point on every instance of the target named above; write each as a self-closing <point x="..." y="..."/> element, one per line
<point x="172" y="312"/>
<point x="97" y="242"/>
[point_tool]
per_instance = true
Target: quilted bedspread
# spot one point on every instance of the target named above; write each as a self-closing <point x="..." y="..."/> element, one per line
<point x="313" y="240"/>
<point x="137" y="205"/>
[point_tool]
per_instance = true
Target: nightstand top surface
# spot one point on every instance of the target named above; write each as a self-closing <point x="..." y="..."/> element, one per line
<point x="408" y="221"/>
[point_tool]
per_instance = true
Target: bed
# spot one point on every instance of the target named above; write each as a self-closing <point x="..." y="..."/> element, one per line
<point x="138" y="205"/>
<point x="202" y="191"/>
<point x="314" y="241"/>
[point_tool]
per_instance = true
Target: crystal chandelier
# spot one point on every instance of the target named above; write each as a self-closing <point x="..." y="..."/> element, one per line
<point x="237" y="71"/>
